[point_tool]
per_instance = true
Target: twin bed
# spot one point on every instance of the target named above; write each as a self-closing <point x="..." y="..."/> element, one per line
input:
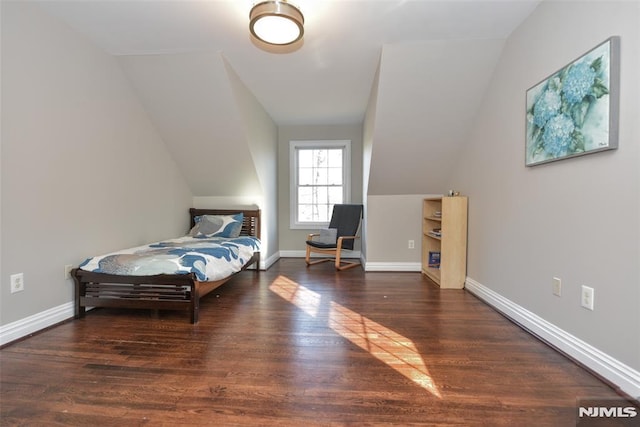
<point x="173" y="274"/>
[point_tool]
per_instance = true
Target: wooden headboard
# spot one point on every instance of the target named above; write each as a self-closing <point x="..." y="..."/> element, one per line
<point x="250" y="224"/>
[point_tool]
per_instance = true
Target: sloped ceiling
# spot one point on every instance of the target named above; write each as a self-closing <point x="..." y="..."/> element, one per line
<point x="191" y="102"/>
<point x="430" y="79"/>
<point x="428" y="96"/>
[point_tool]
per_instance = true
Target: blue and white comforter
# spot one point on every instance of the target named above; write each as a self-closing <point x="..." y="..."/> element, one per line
<point x="210" y="259"/>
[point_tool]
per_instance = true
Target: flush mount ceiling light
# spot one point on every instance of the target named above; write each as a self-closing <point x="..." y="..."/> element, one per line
<point x="276" y="22"/>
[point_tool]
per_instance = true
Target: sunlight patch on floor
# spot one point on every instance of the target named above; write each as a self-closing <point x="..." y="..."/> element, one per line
<point x="395" y="350"/>
<point x="303" y="298"/>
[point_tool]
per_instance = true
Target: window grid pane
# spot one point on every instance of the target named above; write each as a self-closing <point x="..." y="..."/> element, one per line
<point x="320" y="183"/>
<point x="314" y="213"/>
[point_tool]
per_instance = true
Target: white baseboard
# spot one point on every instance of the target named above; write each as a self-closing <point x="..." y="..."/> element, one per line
<point x="266" y="263"/>
<point x="39" y="321"/>
<point x="393" y="266"/>
<point x="302" y="254"/>
<point x="292" y="254"/>
<point x="368" y="266"/>
<point x="619" y="374"/>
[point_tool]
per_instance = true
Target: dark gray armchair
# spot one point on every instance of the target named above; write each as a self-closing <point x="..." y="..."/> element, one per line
<point x="341" y="234"/>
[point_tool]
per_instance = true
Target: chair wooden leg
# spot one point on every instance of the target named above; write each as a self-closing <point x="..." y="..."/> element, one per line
<point x="307" y="258"/>
<point x="344" y="265"/>
<point x="318" y="261"/>
<point x="335" y="256"/>
<point x="347" y="265"/>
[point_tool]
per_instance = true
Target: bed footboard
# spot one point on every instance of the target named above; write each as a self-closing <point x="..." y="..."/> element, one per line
<point x="160" y="292"/>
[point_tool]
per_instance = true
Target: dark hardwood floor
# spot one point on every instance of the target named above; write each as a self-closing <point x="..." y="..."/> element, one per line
<point x="296" y="346"/>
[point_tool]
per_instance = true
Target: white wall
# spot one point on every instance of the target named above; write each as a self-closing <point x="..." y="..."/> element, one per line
<point x="391" y="222"/>
<point x="576" y="219"/>
<point x="189" y="99"/>
<point x="293" y="240"/>
<point x="262" y="140"/>
<point x="83" y="170"/>
<point x="368" y="132"/>
<point x="421" y="108"/>
<point x="426" y="98"/>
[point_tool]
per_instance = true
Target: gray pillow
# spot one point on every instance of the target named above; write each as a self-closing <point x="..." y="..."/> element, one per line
<point x="328" y="236"/>
<point x="217" y="226"/>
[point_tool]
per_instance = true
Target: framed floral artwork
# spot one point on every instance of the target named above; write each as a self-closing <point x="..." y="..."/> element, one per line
<point x="575" y="110"/>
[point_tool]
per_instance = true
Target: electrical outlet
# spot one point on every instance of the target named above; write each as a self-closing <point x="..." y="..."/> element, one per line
<point x="587" y="297"/>
<point x="17" y="283"/>
<point x="412" y="244"/>
<point x="67" y="271"/>
<point x="557" y="286"/>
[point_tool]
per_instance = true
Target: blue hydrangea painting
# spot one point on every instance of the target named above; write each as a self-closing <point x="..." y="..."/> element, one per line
<point x="574" y="111"/>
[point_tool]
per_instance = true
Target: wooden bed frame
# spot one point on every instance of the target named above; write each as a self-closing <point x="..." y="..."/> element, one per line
<point x="158" y="292"/>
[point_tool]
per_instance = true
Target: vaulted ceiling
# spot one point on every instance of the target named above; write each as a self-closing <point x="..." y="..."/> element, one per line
<point x="435" y="59"/>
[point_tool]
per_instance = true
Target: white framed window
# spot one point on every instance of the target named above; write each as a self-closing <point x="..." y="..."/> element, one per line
<point x="320" y="177"/>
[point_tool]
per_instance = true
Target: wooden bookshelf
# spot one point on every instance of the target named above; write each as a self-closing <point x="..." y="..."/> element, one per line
<point x="449" y="215"/>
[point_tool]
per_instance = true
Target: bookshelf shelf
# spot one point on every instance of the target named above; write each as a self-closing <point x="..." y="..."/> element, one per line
<point x="451" y="222"/>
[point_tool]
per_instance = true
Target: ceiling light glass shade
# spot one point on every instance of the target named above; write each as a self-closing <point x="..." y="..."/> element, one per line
<point x="276" y="22"/>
